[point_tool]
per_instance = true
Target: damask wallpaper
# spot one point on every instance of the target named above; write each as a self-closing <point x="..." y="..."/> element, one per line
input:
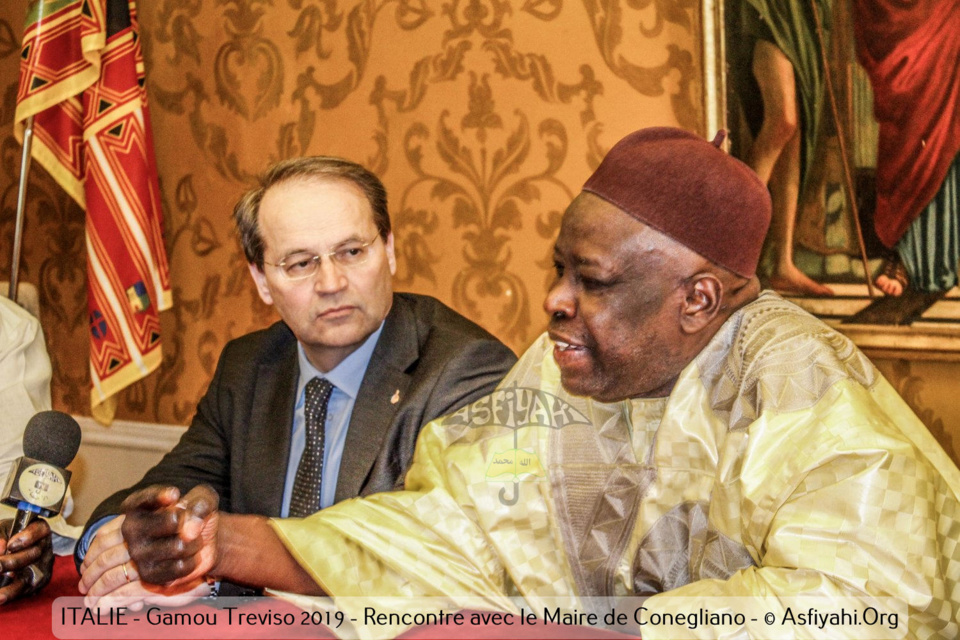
<point x="483" y="118"/>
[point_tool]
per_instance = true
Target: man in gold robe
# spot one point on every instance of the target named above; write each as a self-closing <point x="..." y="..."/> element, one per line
<point x="677" y="434"/>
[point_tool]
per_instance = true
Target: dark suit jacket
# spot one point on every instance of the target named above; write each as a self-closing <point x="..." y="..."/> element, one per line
<point x="239" y="440"/>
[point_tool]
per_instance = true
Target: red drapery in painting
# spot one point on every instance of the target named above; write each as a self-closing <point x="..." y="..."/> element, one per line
<point x="911" y="51"/>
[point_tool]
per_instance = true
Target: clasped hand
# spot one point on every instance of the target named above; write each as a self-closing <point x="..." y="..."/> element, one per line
<point x="158" y="551"/>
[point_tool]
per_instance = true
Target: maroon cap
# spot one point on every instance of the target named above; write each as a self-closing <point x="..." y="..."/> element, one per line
<point x="690" y="190"/>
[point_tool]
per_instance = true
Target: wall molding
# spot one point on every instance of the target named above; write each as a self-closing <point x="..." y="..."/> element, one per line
<point x="130" y="435"/>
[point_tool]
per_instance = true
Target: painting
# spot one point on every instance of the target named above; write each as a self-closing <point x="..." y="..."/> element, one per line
<point x="835" y="106"/>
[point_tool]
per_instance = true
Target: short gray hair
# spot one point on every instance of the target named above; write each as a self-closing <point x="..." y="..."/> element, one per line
<point x="247" y="211"/>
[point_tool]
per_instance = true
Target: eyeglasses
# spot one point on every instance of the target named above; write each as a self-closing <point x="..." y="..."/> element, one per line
<point x="303" y="265"/>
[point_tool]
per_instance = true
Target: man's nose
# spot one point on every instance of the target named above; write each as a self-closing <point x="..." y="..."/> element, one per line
<point x="329" y="277"/>
<point x="560" y="302"/>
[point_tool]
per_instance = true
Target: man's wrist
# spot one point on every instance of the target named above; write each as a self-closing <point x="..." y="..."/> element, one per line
<point x="237" y="536"/>
<point x="85" y="540"/>
<point x="229" y="536"/>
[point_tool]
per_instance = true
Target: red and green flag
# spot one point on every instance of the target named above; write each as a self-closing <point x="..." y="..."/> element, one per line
<point x="82" y="80"/>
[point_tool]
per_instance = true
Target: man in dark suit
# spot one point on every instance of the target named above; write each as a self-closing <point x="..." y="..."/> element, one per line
<point x="326" y="404"/>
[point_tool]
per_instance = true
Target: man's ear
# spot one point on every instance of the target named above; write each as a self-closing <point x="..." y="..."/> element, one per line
<point x="260" y="279"/>
<point x="702" y="302"/>
<point x="391" y="254"/>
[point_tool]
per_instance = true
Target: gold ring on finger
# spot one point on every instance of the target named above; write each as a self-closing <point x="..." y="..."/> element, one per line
<point x="125" y="574"/>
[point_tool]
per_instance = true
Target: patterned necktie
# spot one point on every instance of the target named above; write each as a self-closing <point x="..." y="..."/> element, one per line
<point x="305" y="499"/>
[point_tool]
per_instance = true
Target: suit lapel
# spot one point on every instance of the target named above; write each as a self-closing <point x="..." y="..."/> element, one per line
<point x="271" y="423"/>
<point x="373" y="411"/>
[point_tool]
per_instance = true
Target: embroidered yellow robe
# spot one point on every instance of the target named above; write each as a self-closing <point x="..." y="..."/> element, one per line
<point x="782" y="464"/>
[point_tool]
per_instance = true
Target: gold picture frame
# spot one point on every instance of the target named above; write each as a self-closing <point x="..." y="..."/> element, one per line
<point x="934" y="334"/>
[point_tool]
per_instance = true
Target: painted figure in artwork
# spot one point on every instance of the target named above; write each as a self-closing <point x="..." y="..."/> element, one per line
<point x="911" y="54"/>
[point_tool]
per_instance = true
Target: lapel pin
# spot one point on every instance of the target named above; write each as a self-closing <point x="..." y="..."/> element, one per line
<point x="395" y="398"/>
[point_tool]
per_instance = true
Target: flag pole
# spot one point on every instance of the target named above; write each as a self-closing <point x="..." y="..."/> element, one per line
<point x="21" y="206"/>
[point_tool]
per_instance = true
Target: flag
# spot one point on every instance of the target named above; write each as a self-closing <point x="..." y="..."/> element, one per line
<point x="82" y="80"/>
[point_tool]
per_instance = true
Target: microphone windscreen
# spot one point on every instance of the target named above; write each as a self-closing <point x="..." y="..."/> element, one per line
<point x="52" y="437"/>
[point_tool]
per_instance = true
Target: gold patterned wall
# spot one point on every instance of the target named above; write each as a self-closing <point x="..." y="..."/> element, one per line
<point x="483" y="117"/>
<point x="930" y="388"/>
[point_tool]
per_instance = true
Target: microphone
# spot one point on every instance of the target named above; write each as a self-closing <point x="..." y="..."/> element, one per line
<point x="37" y="484"/>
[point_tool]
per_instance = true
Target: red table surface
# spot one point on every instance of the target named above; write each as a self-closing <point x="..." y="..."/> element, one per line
<point x="30" y="618"/>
